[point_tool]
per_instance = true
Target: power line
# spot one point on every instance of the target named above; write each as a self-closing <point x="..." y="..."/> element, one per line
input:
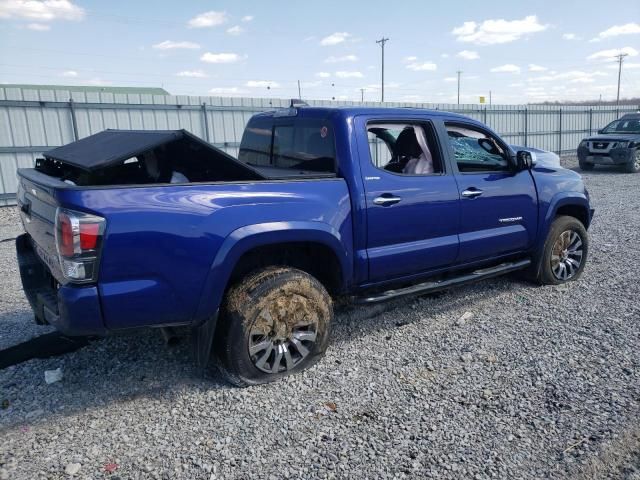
<point x="381" y="42"/>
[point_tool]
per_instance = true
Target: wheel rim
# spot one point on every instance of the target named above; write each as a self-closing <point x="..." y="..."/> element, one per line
<point x="566" y="255"/>
<point x="283" y="334"/>
<point x="636" y="163"/>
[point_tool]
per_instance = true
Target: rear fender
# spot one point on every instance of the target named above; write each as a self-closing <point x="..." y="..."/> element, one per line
<point x="249" y="237"/>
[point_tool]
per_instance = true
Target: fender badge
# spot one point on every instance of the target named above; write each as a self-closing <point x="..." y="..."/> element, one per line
<point x="510" y="219"/>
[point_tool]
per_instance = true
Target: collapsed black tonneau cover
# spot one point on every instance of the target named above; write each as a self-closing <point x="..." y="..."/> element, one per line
<point x="111" y="147"/>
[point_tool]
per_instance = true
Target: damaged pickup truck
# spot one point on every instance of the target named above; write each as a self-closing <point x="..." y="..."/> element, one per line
<point x="128" y="229"/>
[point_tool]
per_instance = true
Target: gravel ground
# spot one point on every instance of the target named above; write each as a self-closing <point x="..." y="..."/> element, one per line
<point x="535" y="382"/>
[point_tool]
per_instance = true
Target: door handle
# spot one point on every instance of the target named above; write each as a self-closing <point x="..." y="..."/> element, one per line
<point x="386" y="200"/>
<point x="472" y="193"/>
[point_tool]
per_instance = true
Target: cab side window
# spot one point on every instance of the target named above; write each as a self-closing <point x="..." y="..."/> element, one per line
<point x="404" y="148"/>
<point x="476" y="151"/>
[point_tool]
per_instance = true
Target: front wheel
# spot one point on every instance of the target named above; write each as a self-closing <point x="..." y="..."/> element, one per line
<point x="634" y="165"/>
<point x="565" y="252"/>
<point x="587" y="167"/>
<point x="275" y="322"/>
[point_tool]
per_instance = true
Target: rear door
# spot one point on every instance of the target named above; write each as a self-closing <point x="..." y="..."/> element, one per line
<point x="412" y="218"/>
<point x="498" y="205"/>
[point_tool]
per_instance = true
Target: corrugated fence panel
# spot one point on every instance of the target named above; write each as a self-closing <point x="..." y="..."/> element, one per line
<point x="31" y="121"/>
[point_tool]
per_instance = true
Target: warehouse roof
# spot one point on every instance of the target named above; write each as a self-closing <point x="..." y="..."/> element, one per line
<point x="89" y="88"/>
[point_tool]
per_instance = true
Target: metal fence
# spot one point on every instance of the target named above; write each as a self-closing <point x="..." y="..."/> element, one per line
<point x="33" y="121"/>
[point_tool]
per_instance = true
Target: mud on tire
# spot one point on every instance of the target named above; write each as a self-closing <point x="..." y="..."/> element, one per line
<point x="274" y="322"/>
<point x="567" y="243"/>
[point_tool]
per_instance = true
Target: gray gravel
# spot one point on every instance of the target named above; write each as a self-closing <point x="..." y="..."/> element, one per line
<point x="532" y="382"/>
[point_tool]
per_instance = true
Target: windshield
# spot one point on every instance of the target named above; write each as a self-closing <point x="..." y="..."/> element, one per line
<point x="623" y="126"/>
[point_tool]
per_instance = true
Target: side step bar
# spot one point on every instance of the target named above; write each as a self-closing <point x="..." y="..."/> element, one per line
<point x="434" y="286"/>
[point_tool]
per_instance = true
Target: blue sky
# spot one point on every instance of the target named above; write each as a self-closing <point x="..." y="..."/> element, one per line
<point x="521" y="51"/>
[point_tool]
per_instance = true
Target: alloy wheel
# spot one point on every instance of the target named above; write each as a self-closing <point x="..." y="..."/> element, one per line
<point x="566" y="255"/>
<point x="283" y="334"/>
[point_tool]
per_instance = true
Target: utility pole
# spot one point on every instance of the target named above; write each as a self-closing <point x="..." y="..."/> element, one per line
<point x="620" y="58"/>
<point x="489" y="97"/>
<point x="381" y="42"/>
<point x="299" y="91"/>
<point x="459" y="72"/>
<point x="362" y="95"/>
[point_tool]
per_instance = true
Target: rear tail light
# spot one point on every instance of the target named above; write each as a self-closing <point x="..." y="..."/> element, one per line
<point x="78" y="241"/>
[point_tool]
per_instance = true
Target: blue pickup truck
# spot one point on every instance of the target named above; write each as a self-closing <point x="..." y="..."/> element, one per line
<point x="128" y="229"/>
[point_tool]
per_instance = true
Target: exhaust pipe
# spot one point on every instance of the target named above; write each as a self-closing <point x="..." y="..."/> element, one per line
<point x="170" y="336"/>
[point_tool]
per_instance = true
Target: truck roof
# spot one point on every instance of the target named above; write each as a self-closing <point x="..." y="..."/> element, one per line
<point x="351" y="111"/>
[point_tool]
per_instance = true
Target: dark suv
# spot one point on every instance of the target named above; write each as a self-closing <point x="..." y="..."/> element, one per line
<point x="616" y="144"/>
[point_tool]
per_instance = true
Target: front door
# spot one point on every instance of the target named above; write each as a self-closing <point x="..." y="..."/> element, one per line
<point x="498" y="205"/>
<point x="412" y="200"/>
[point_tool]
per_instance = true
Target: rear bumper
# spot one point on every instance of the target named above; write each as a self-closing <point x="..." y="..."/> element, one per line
<point x="72" y="310"/>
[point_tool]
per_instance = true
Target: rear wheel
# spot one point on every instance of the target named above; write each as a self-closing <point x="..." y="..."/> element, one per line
<point x="276" y="321"/>
<point x="565" y="252"/>
<point x="634" y="165"/>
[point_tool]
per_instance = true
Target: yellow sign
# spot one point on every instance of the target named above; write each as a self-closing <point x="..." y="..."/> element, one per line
<point x="482" y="99"/>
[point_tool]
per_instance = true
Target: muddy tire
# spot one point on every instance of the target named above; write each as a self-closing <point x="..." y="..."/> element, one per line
<point x="274" y="322"/>
<point x="565" y="252"/>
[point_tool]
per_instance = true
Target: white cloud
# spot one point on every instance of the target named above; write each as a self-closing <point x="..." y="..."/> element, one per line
<point x="208" y="19"/>
<point x="422" y="67"/>
<point x="630" y="65"/>
<point x="616" y="30"/>
<point x="572" y="76"/>
<point x="235" y="30"/>
<point x="349" y="75"/>
<point x="468" y="55"/>
<point x="537" y="68"/>
<point x="43" y="11"/>
<point x="227" y="91"/>
<point x="410" y="59"/>
<point x="247" y="18"/>
<point x="508" y="68"/>
<point x="262" y="84"/>
<point x="192" y="74"/>
<point x="69" y="74"/>
<point x="323" y="74"/>
<point x="450" y="79"/>
<point x="610" y="54"/>
<point x="570" y="36"/>
<point x="335" y="39"/>
<point x="39" y="27"/>
<point x="516" y="85"/>
<point x="444" y="55"/>
<point x="345" y="58"/>
<point x="222" y="57"/>
<point x="315" y="83"/>
<point x="171" y="45"/>
<point x="491" y="32"/>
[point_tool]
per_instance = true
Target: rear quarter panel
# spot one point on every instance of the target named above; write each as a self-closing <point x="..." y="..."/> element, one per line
<point x="160" y="259"/>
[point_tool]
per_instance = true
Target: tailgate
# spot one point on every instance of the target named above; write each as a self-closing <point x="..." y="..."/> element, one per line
<point x="37" y="205"/>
